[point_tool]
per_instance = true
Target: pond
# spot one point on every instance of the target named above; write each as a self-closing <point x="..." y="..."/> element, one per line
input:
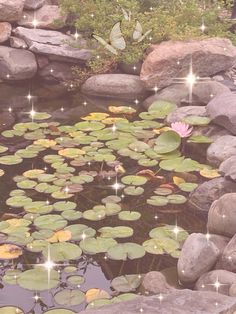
<point x="91" y="190"/>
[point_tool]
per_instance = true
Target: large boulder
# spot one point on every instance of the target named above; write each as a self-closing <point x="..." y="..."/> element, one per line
<point x="207" y="282"/>
<point x="122" y="86"/>
<point x="221" y="149"/>
<point x="57" y="72"/>
<point x="228" y="258"/>
<point x="5" y="31"/>
<point x="206" y="193"/>
<point x="49" y="17"/>
<point x="177" y="302"/>
<point x="11" y="10"/>
<point x="17" y="64"/>
<point x="222" y="110"/>
<point x="33" y="4"/>
<point x="198" y="255"/>
<point x="55" y="45"/>
<point x="155" y="282"/>
<point x="228" y="168"/>
<point x="222" y="216"/>
<point x="171" y="59"/>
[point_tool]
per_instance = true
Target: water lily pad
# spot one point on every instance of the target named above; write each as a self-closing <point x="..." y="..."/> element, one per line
<point x="64" y="205"/>
<point x="200" y="139"/>
<point x="37" y="279"/>
<point x="10" y="251"/>
<point x="37" y="246"/>
<point x="134" y="180"/>
<point x="96" y="294"/>
<point x="126" y="251"/>
<point x="196" y="120"/>
<point x="60" y="236"/>
<point x="132" y="190"/>
<point x="121" y="109"/>
<point x="129" y="215"/>
<point x="97" y="245"/>
<point x="3" y="149"/>
<point x="168" y="231"/>
<point x="188" y="187"/>
<point x="80" y="231"/>
<point x="176" y="199"/>
<point x="167" y="142"/>
<point x="51" y="222"/>
<point x="45" y="142"/>
<point x="96" y="116"/>
<point x="71" y="215"/>
<point x="11" y="310"/>
<point x="71" y="152"/>
<point x="157" y="201"/>
<point x="68" y="297"/>
<point x="33" y="174"/>
<point x="11" y="276"/>
<point x="162" y="108"/>
<point x="60" y="252"/>
<point x="75" y="280"/>
<point x="126" y="283"/>
<point x="10" y="160"/>
<point x="59" y="311"/>
<point x="89" y="126"/>
<point x="41" y="116"/>
<point x="116" y="232"/>
<point x="111" y="199"/>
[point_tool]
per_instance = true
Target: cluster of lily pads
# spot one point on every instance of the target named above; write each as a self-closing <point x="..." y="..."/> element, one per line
<point x="115" y="152"/>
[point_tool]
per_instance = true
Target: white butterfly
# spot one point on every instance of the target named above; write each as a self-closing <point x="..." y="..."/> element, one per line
<point x="127" y="15"/>
<point x="116" y="40"/>
<point x="138" y="33"/>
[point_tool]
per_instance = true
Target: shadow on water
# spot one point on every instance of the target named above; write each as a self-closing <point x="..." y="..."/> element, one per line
<point x="98" y="271"/>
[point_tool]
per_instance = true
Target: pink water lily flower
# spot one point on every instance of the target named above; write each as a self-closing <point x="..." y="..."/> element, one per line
<point x="183" y="129"/>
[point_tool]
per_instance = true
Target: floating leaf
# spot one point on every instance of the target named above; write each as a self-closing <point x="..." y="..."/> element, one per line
<point x="126" y="251"/>
<point x="167" y="142"/>
<point x="188" y="187"/>
<point x="45" y="143"/>
<point x="79" y="232"/>
<point x="162" y="108"/>
<point x="126" y="283"/>
<point x="60" y="252"/>
<point x="97" y="245"/>
<point x="196" y="120"/>
<point x="10" y="251"/>
<point x="75" y="280"/>
<point x="68" y="297"/>
<point x="132" y="190"/>
<point x="209" y="173"/>
<point x="134" y="180"/>
<point x="52" y="222"/>
<point x="60" y="236"/>
<point x="71" y="152"/>
<point x="10" y="160"/>
<point x="129" y="215"/>
<point x="116" y="232"/>
<point x="37" y="279"/>
<point x="121" y="109"/>
<point x="11" y="310"/>
<point x="96" y="294"/>
<point x="200" y="139"/>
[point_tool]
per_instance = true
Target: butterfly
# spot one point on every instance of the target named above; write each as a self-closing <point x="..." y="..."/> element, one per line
<point x="138" y="33"/>
<point x="116" y="40"/>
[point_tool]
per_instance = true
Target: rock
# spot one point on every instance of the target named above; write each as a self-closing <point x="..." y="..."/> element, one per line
<point x="42" y="61"/>
<point x="222" y="215"/>
<point x="198" y="255"/>
<point x="33" y="4"/>
<point x="5" y="31"/>
<point x="180" y="113"/>
<point x="219" y="241"/>
<point x="204" y="92"/>
<point x="221" y="149"/>
<point x="57" y="72"/>
<point x="225" y="278"/>
<point x="17" y="43"/>
<point x="121" y="86"/>
<point x="228" y="258"/>
<point x="222" y="111"/>
<point x="206" y="193"/>
<point x="177" y="302"/>
<point x="155" y="282"/>
<point x="228" y="169"/>
<point x="171" y="59"/>
<point x="11" y="10"/>
<point x="17" y="64"/>
<point x="53" y="44"/>
<point x="49" y="17"/>
<point x="134" y="69"/>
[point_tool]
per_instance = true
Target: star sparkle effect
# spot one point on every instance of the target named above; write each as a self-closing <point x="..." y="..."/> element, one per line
<point x="203" y="26"/>
<point x="116" y="186"/>
<point x="35" y="22"/>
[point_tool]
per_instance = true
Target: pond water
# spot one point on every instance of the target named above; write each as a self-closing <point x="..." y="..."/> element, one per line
<point x="117" y="168"/>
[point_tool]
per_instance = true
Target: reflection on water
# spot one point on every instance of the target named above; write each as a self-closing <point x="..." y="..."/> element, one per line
<point x="97" y="270"/>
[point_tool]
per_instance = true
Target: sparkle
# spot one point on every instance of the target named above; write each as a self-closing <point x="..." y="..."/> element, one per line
<point x="136" y="101"/>
<point x="47" y="202"/>
<point x="89" y="163"/>
<point x="32" y="113"/>
<point x="49" y="264"/>
<point x="92" y="15"/>
<point x="105" y="257"/>
<point x="150" y="38"/>
<point x="141" y="310"/>
<point x="176" y="230"/>
<point x="62" y="109"/>
<point x="160" y="297"/>
<point x="116" y="186"/>
<point x="155" y="89"/>
<point x="229" y="258"/>
<point x="156" y="217"/>
<point x="85" y="103"/>
<point x="51" y="70"/>
<point x="203" y="26"/>
<point x="35" y="22"/>
<point x="211" y="95"/>
<point x="208" y="236"/>
<point x="217" y="284"/>
<point x="10" y="109"/>
<point x="151" y="9"/>
<point x="98" y="57"/>
<point x="114" y="128"/>
<point x="67" y="190"/>
<point x="29" y="97"/>
<point x="83" y="236"/>
<point x="76" y="35"/>
<point x="122" y="196"/>
<point x="36" y="297"/>
<point x="71" y="85"/>
<point x="8" y="76"/>
<point x="134" y="68"/>
<point x="45" y="168"/>
<point x="178" y="62"/>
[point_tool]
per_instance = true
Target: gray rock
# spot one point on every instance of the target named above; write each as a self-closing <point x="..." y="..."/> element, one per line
<point x="122" y="86"/>
<point x="206" y="193"/>
<point x="155" y="282"/>
<point x="57" y="72"/>
<point x="5" y="31"/>
<point x="219" y="241"/>
<point x="207" y="281"/>
<point x="228" y="258"/>
<point x="49" y="17"/>
<point x="33" y="4"/>
<point x="221" y="149"/>
<point x="228" y="168"/>
<point x="11" y="10"/>
<point x="178" y="302"/>
<point x="53" y="44"/>
<point x="17" y="43"/>
<point x="222" y="216"/>
<point x="171" y="59"/>
<point x="17" y="64"/>
<point x="203" y="92"/>
<point x="180" y="113"/>
<point x="222" y="110"/>
<point x="198" y="255"/>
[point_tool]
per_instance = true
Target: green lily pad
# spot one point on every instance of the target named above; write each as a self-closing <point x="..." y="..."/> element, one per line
<point x="126" y="251"/>
<point x="129" y="215"/>
<point x="37" y="279"/>
<point x="71" y="215"/>
<point x="10" y="160"/>
<point x="64" y="205"/>
<point x="200" y="139"/>
<point x="126" y="283"/>
<point x="197" y="120"/>
<point x="11" y="310"/>
<point x="116" y="232"/>
<point x="161" y="108"/>
<point x="51" y="222"/>
<point x="188" y="187"/>
<point x="134" y="191"/>
<point x="60" y="252"/>
<point x="59" y="311"/>
<point x="157" y="201"/>
<point x="167" y="142"/>
<point x="97" y="245"/>
<point x="79" y="232"/>
<point x="69" y="298"/>
<point x="134" y="180"/>
<point x="75" y="280"/>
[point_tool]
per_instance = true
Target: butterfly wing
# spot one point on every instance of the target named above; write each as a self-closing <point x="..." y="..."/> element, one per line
<point x="116" y="38"/>
<point x="145" y="35"/>
<point x="105" y="44"/>
<point x="138" y="32"/>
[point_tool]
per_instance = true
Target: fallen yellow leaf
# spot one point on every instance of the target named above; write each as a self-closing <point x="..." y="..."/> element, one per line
<point x="209" y="173"/>
<point x="10" y="251"/>
<point x="96" y="294"/>
<point x="177" y="180"/>
<point x="60" y="236"/>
